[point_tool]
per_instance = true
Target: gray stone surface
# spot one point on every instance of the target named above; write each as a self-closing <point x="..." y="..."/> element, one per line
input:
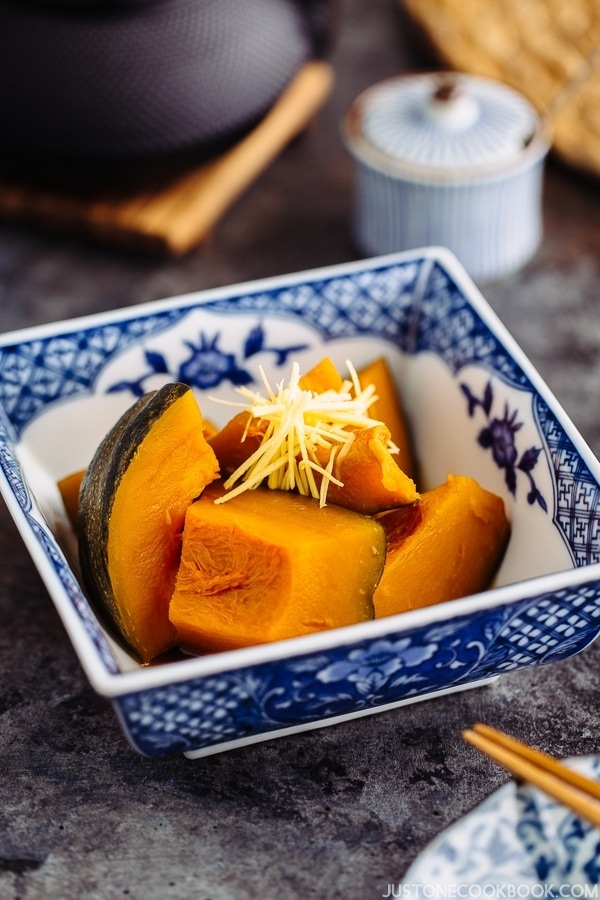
<point x="336" y="813"/>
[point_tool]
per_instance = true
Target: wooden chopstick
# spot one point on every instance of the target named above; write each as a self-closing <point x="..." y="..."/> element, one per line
<point x="576" y="791"/>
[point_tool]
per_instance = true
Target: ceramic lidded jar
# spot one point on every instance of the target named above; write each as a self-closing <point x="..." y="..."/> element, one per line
<point x="447" y="159"/>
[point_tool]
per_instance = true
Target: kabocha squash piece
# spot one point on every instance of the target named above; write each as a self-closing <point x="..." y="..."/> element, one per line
<point x="69" y="491"/>
<point x="269" y="565"/>
<point x="236" y="441"/>
<point x="388" y="408"/>
<point x="241" y="436"/>
<point x="373" y="479"/>
<point x="132" y="505"/>
<point x="324" y="445"/>
<point x="324" y="376"/>
<point x="370" y="479"/>
<point x="448" y="545"/>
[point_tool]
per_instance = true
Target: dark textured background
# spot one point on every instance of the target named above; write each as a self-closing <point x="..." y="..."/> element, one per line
<point x="337" y="813"/>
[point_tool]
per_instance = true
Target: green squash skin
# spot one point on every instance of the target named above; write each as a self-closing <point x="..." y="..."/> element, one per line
<point x="96" y="497"/>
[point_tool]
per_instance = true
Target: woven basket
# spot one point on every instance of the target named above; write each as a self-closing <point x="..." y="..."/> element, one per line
<point x="546" y="49"/>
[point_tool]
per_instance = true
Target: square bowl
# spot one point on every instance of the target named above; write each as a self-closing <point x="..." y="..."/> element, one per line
<point x="475" y="406"/>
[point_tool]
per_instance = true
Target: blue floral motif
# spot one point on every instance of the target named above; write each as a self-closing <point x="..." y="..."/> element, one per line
<point x="518" y="836"/>
<point x="207" y="366"/>
<point x="303" y="689"/>
<point x="381" y="661"/>
<point x="592" y="867"/>
<point x="256" y="343"/>
<point x="499" y="437"/>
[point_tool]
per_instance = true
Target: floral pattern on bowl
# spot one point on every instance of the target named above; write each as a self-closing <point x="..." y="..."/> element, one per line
<point x="475" y="405"/>
<point x="517" y="838"/>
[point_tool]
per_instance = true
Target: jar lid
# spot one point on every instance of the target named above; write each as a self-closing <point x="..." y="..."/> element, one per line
<point x="444" y="122"/>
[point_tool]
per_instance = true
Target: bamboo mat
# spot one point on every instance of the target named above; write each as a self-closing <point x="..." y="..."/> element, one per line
<point x="174" y="215"/>
<point x="549" y="50"/>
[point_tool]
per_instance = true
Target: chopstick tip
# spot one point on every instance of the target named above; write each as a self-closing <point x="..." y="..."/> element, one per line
<point x="476" y="728"/>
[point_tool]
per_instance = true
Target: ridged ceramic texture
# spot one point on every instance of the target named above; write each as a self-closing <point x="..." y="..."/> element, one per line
<point x="464" y="173"/>
<point x="118" y="81"/>
<point x="477" y="123"/>
<point x="493" y="227"/>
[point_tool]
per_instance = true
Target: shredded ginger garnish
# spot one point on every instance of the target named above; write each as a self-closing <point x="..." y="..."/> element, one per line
<point x="297" y="422"/>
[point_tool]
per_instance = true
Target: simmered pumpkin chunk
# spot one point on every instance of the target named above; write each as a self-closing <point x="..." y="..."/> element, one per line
<point x="388" y="408"/>
<point x="367" y="477"/>
<point x="324" y="376"/>
<point x="316" y="436"/>
<point x="133" y="500"/>
<point x="269" y="565"/>
<point x="69" y="491"/>
<point x="446" y="546"/>
<point x="236" y="441"/>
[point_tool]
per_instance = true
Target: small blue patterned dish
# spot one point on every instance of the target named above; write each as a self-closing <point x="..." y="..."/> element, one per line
<point x="518" y="838"/>
<point x="476" y="406"/>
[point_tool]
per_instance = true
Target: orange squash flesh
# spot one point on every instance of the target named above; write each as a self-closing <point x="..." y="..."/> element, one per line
<point x="132" y="509"/>
<point x="448" y="545"/>
<point x="372" y="479"/>
<point x="69" y="491"/>
<point x="144" y="538"/>
<point x="233" y="445"/>
<point x="236" y="441"/>
<point x="268" y="565"/>
<point x="388" y="408"/>
<point x="324" y="376"/>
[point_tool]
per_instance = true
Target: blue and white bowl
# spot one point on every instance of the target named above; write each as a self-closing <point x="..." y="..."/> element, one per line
<point x="519" y="839"/>
<point x="452" y="160"/>
<point x="476" y="406"/>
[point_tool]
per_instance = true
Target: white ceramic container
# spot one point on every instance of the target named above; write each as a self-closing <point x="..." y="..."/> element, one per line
<point x="451" y="160"/>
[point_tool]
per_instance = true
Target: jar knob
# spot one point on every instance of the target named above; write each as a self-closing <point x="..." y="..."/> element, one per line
<point x="451" y="106"/>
